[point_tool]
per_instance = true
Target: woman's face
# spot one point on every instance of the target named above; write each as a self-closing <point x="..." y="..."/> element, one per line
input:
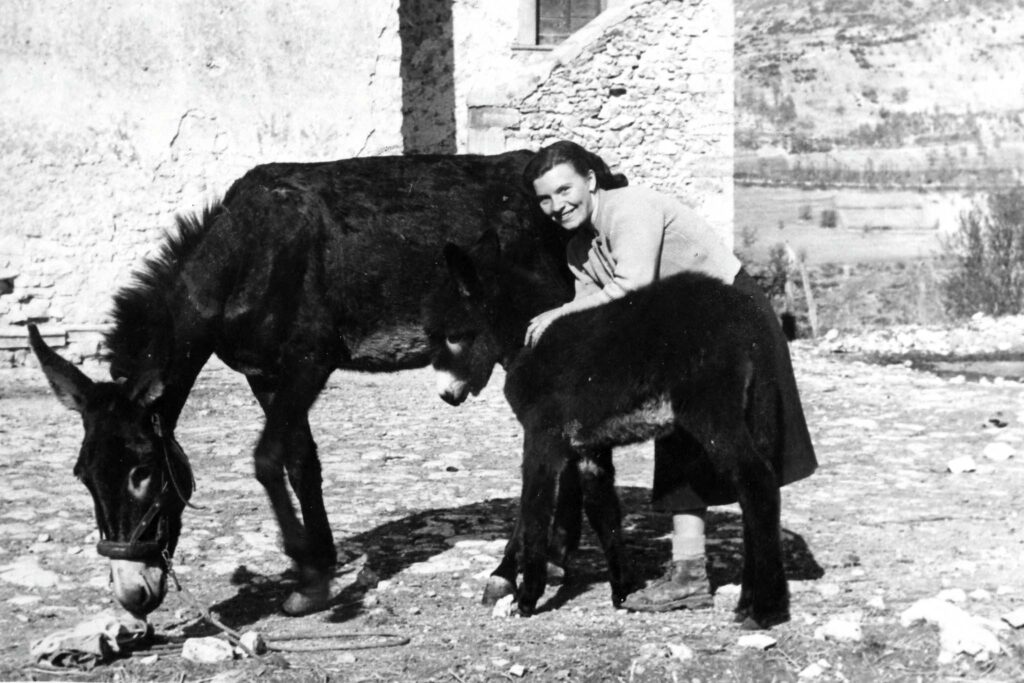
<point x="565" y="196"/>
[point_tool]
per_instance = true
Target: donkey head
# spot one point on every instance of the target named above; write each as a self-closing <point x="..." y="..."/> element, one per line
<point x="137" y="474"/>
<point x="467" y="320"/>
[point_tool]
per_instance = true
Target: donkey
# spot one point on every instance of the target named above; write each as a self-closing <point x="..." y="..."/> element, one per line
<point x="299" y="270"/>
<point x="677" y="355"/>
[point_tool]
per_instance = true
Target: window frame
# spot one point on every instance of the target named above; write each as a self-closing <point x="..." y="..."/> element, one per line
<point x="527" y="37"/>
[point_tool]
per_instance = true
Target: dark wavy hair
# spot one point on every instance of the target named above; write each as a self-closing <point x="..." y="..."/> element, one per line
<point x="566" y="152"/>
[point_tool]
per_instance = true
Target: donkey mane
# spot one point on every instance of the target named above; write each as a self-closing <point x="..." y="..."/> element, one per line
<point x="141" y="310"/>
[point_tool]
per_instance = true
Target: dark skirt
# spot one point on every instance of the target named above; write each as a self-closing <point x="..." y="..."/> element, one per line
<point x="684" y="478"/>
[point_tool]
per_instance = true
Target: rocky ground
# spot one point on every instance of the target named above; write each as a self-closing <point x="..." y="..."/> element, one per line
<point x="422" y="496"/>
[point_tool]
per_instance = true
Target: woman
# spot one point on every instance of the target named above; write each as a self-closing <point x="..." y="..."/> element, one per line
<point x="625" y="237"/>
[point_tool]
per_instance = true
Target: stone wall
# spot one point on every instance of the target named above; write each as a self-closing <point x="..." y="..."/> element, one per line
<point x="648" y="86"/>
<point x="115" y="117"/>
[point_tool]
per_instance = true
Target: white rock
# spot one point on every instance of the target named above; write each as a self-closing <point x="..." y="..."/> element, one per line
<point x="728" y="589"/>
<point x="877" y="602"/>
<point x="959" y="465"/>
<point x="757" y="641"/>
<point x="959" y="632"/>
<point x="998" y="451"/>
<point x="679" y="651"/>
<point x="811" y="671"/>
<point x="207" y="650"/>
<point x="1015" y="618"/>
<point x="957" y="596"/>
<point x="840" y="630"/>
<point x="254" y="641"/>
<point x="503" y="607"/>
<point x="980" y="595"/>
<point x="517" y="670"/>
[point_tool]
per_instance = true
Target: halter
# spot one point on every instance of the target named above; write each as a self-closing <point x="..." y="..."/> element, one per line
<point x="134" y="548"/>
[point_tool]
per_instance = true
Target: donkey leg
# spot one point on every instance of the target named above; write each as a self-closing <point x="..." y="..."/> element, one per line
<point x="564" y="540"/>
<point x="718" y="422"/>
<point x="764" y="597"/>
<point x="502" y="580"/>
<point x="567" y="523"/>
<point x="286" y="443"/>
<point x="601" y="504"/>
<point x="544" y="458"/>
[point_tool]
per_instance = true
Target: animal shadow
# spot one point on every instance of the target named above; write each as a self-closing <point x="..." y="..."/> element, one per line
<point x="394" y="546"/>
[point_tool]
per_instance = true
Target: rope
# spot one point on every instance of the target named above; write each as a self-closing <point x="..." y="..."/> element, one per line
<point x="280" y="642"/>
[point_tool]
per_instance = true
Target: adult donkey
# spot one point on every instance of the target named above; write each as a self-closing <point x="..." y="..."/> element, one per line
<point x="301" y="269"/>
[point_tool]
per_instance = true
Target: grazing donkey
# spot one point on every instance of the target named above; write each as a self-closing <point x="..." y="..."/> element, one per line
<point x="301" y="269"/>
<point x="677" y="355"/>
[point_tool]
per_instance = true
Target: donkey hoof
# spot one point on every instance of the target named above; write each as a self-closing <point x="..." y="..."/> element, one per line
<point x="314" y="595"/>
<point x="497" y="588"/>
<point x="752" y="622"/>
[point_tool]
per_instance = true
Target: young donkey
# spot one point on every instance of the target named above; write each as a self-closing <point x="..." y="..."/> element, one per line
<point x="677" y="355"/>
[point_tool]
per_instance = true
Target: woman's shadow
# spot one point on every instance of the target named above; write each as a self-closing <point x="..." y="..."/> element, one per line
<point x="395" y="546"/>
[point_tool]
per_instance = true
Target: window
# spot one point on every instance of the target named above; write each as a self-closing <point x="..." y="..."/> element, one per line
<point x="557" y="19"/>
<point x="545" y="23"/>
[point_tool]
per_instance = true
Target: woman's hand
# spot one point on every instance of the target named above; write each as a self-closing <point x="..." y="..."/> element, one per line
<point x="540" y="323"/>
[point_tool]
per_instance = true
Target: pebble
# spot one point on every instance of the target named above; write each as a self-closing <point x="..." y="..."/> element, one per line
<point x="812" y="670"/>
<point x="517" y="670"/>
<point x="679" y="651"/>
<point x="1015" y="618"/>
<point x="757" y="641"/>
<point x="999" y="451"/>
<point x="840" y="630"/>
<point x="961" y="464"/>
<point x="207" y="650"/>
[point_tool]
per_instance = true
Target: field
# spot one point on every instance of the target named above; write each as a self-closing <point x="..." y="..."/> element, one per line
<point x="774" y="215"/>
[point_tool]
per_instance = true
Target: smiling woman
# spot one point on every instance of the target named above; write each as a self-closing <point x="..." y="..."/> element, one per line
<point x="624" y="238"/>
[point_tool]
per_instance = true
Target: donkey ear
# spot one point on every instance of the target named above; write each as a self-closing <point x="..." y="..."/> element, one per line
<point x="70" y="385"/>
<point x="462" y="270"/>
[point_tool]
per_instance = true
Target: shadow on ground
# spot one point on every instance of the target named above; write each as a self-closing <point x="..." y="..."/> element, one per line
<point x="395" y="546"/>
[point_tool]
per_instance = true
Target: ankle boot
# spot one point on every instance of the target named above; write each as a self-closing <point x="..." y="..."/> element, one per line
<point x="683" y="586"/>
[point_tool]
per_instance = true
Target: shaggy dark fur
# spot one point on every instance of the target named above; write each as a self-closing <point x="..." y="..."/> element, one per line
<point x="301" y="269"/>
<point x="678" y="355"/>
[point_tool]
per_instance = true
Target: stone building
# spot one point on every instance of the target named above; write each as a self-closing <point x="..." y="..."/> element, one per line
<point x="114" y="117"/>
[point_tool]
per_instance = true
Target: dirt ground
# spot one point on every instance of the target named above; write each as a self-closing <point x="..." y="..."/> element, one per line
<point x="422" y="496"/>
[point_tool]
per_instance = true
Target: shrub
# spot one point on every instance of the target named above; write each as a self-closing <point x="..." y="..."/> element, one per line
<point x="987" y="256"/>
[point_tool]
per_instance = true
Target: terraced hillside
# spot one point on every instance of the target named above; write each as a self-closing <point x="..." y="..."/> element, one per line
<point x="940" y="79"/>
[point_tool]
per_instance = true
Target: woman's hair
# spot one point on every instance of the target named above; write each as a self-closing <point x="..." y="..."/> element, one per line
<point x="566" y="152"/>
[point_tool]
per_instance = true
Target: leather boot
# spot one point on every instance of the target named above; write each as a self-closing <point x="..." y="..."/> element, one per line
<point x="683" y="586"/>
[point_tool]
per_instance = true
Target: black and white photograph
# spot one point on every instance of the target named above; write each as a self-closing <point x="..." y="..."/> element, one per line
<point x="470" y="341"/>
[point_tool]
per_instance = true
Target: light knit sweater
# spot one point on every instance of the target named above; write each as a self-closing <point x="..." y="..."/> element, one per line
<point x="636" y="236"/>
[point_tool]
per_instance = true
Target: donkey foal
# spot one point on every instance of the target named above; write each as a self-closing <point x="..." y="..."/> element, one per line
<point x="679" y="355"/>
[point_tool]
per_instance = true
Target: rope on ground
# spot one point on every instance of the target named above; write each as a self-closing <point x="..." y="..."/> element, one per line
<point x="281" y="642"/>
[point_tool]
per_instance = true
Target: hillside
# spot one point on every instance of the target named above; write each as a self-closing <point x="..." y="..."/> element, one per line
<point x="938" y="78"/>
